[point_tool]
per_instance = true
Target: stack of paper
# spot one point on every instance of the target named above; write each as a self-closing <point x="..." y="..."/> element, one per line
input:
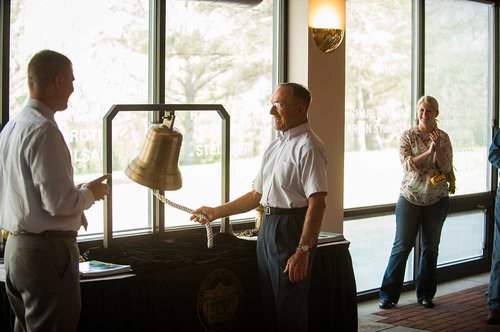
<point x="97" y="269"/>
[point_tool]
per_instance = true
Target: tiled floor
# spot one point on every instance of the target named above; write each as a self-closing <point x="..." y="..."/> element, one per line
<point x="369" y="321"/>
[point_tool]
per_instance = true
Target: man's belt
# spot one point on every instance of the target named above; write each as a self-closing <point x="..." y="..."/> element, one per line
<point x="48" y="234"/>
<point x="295" y="211"/>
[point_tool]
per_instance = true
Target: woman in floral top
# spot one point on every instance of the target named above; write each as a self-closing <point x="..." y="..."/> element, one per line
<point x="425" y="152"/>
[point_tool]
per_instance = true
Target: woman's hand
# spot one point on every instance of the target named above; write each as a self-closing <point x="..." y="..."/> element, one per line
<point x="431" y="149"/>
<point x="440" y="154"/>
<point x="435" y="136"/>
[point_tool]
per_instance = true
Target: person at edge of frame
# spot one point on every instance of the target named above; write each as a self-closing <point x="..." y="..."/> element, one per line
<point x="41" y="208"/>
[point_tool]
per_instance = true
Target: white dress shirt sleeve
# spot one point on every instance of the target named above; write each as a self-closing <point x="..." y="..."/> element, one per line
<point x="52" y="173"/>
<point x="314" y="171"/>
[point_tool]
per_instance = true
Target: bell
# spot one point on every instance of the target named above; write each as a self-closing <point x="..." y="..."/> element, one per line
<point x="156" y="166"/>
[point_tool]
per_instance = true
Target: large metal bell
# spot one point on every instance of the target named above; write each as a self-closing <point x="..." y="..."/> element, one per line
<point x="156" y="166"/>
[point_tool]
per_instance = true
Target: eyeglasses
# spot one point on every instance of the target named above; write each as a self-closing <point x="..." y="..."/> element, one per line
<point x="278" y="106"/>
<point x="275" y="105"/>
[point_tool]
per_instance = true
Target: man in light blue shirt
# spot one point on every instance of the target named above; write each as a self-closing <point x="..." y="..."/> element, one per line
<point x="40" y="206"/>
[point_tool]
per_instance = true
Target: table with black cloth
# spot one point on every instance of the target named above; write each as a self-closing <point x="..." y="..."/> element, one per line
<point x="180" y="285"/>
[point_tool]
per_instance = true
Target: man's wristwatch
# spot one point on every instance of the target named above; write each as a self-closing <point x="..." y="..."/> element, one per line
<point x="304" y="247"/>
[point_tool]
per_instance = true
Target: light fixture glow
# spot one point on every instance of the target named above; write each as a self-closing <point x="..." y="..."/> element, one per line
<point x="326" y="27"/>
<point x="325" y="17"/>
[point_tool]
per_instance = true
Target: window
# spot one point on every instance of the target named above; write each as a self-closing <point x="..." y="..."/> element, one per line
<point x="223" y="56"/>
<point x="371" y="242"/>
<point x="378" y="95"/>
<point x="216" y="53"/>
<point x="110" y="63"/>
<point x="378" y="110"/>
<point x="460" y="82"/>
<point x="467" y="229"/>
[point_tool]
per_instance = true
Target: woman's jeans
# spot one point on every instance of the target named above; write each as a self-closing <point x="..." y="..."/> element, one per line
<point x="494" y="288"/>
<point x="410" y="219"/>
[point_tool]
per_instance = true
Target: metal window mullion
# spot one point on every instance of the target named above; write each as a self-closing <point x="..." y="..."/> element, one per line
<point x="494" y="125"/>
<point x="418" y="81"/>
<point x="156" y="91"/>
<point x="494" y="80"/>
<point x="280" y="47"/>
<point x="225" y="168"/>
<point x="4" y="57"/>
<point x="418" y="54"/>
<point x="279" y="42"/>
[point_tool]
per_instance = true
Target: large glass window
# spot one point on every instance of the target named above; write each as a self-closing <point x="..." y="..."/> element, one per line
<point x="465" y="229"/>
<point x="378" y="110"/>
<point x="216" y="53"/>
<point x="378" y="99"/>
<point x="110" y="63"/>
<point x="457" y="73"/>
<point x="460" y="81"/>
<point x="371" y="242"/>
<point x="223" y="56"/>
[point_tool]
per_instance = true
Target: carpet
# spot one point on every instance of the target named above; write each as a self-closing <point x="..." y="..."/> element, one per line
<point x="460" y="311"/>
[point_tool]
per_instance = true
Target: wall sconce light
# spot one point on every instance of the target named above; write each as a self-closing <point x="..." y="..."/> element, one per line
<point x="325" y="25"/>
<point x="326" y="39"/>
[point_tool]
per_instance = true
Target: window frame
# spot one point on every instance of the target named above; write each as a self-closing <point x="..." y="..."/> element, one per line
<point x="4" y="57"/>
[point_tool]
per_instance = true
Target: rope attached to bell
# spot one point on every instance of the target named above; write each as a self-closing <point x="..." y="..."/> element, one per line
<point x="210" y="235"/>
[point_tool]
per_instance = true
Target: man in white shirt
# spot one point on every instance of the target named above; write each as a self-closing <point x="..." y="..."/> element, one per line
<point x="40" y="206"/>
<point x="291" y="185"/>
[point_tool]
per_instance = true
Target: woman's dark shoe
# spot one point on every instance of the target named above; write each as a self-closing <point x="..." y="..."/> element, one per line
<point x="386" y="304"/>
<point x="428" y="303"/>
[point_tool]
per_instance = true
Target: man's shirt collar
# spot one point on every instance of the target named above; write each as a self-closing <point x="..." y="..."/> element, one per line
<point x="44" y="110"/>
<point x="294" y="132"/>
